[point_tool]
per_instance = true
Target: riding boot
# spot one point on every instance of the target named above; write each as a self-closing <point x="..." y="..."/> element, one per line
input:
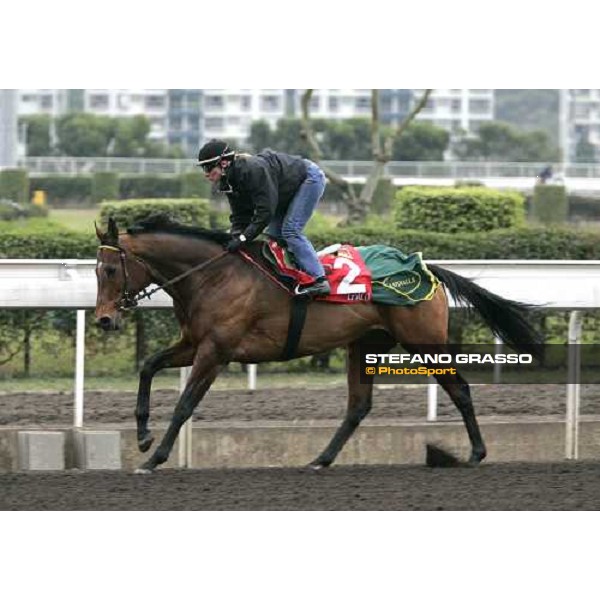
<point x="320" y="287"/>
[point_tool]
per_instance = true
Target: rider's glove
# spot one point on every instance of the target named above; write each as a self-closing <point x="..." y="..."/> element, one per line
<point x="236" y="243"/>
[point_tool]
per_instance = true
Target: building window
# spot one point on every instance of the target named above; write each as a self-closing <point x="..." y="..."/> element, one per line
<point x="456" y="106"/>
<point x="246" y="102"/>
<point x="176" y="124"/>
<point x="270" y="103"/>
<point x="155" y="102"/>
<point x="363" y="104"/>
<point x="334" y="104"/>
<point x="479" y="106"/>
<point x="99" y="101"/>
<point x="46" y="101"/>
<point x="214" y="123"/>
<point x="214" y="102"/>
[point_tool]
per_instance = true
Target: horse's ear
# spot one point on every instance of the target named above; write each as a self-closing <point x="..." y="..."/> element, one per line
<point x="99" y="233"/>
<point x="113" y="231"/>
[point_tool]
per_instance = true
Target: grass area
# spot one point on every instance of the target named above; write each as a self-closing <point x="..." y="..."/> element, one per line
<point x="170" y="380"/>
<point x="77" y="219"/>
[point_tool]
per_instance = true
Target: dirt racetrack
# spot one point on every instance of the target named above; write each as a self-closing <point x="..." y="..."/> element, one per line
<point x="572" y="486"/>
<point x="289" y="404"/>
<point x="514" y="486"/>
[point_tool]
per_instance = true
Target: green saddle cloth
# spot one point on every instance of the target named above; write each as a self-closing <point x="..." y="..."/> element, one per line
<point x="398" y="279"/>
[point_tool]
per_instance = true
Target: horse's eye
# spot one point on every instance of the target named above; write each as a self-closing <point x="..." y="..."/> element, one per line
<point x="110" y="271"/>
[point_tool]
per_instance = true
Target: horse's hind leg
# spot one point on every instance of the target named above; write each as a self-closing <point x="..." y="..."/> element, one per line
<point x="359" y="403"/>
<point x="458" y="390"/>
<point x="179" y="355"/>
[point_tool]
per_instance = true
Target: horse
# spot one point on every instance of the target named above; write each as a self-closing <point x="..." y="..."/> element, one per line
<point x="229" y="311"/>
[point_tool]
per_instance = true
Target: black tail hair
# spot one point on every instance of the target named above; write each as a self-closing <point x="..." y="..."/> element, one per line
<point x="507" y="319"/>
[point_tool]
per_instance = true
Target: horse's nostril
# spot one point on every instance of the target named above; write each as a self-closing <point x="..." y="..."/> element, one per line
<point x="104" y="322"/>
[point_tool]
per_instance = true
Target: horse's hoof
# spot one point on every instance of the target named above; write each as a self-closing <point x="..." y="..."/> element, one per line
<point x="317" y="466"/>
<point x="143" y="471"/>
<point x="145" y="444"/>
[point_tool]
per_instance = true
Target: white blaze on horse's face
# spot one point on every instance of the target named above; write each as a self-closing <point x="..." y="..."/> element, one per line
<point x="110" y="281"/>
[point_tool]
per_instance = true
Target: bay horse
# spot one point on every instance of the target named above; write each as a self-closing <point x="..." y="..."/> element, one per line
<point x="229" y="311"/>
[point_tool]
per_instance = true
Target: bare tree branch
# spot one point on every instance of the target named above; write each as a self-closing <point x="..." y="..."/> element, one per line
<point x="348" y="193"/>
<point x="389" y="142"/>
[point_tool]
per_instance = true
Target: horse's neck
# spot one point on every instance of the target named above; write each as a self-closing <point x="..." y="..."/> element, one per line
<point x="171" y="255"/>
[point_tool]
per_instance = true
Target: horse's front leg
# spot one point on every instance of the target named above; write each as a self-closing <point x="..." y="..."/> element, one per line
<point x="203" y="374"/>
<point x="179" y="355"/>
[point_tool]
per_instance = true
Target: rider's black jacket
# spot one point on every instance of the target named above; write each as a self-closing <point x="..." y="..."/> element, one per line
<point x="261" y="187"/>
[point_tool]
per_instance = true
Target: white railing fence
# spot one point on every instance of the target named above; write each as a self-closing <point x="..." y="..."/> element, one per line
<point x="570" y="285"/>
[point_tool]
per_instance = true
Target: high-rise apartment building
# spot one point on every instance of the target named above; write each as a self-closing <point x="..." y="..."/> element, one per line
<point x="190" y="117"/>
<point x="8" y="128"/>
<point x="579" y="125"/>
<point x="457" y="110"/>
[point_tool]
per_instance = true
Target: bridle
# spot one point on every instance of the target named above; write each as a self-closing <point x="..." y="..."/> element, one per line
<point x="129" y="299"/>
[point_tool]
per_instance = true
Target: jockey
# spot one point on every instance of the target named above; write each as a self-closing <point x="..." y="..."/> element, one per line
<point x="273" y="190"/>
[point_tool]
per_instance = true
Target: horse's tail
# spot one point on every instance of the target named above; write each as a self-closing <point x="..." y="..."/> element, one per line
<point x="507" y="319"/>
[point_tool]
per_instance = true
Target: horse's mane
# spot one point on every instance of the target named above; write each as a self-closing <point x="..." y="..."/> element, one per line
<point x="163" y="224"/>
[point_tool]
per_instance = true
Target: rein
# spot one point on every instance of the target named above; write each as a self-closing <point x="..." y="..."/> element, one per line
<point x="128" y="300"/>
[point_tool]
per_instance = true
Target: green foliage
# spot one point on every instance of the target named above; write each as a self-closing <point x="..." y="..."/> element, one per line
<point x="195" y="185"/>
<point x="218" y="219"/>
<point x="105" y="186"/>
<point x="529" y="110"/>
<point x="497" y="141"/>
<point x="130" y="136"/>
<point x="421" y="141"/>
<point x="194" y="211"/>
<point x="549" y="204"/>
<point x="524" y="243"/>
<point x="452" y="210"/>
<point x="63" y="190"/>
<point x="39" y="238"/>
<point x="349" y="139"/>
<point x="149" y="186"/>
<point x="38" y="134"/>
<point x="9" y="210"/>
<point x="83" y="134"/>
<point x="585" y="152"/>
<point x="14" y="185"/>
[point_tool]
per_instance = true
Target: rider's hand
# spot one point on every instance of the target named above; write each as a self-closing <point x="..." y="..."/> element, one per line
<point x="236" y="243"/>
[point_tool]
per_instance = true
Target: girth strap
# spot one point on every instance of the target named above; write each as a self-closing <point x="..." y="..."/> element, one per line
<point x="296" y="325"/>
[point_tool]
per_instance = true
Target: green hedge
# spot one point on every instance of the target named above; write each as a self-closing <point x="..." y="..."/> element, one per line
<point x="39" y="238"/>
<point x="61" y="190"/>
<point x="150" y="186"/>
<point x="453" y="210"/>
<point x="195" y="185"/>
<point x="194" y="211"/>
<point x="524" y="243"/>
<point x="105" y="186"/>
<point x="549" y="204"/>
<point x="14" y="185"/>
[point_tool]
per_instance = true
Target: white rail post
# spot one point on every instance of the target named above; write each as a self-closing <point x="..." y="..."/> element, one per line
<point x="79" y="368"/>
<point x="498" y="366"/>
<point x="252" y="378"/>
<point x="573" y="387"/>
<point x="432" y="395"/>
<point x="185" y="434"/>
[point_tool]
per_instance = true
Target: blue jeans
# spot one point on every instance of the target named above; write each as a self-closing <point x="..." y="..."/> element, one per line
<point x="290" y="226"/>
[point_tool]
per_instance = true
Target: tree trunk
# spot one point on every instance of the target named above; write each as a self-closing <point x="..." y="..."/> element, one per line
<point x="349" y="196"/>
<point x="359" y="206"/>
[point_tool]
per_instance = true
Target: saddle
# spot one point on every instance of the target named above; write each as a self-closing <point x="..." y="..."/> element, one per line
<point x="346" y="271"/>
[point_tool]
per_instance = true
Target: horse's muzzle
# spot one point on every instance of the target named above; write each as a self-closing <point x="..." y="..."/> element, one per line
<point x="107" y="323"/>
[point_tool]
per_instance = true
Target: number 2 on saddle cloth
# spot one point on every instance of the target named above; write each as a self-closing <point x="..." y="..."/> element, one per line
<point x="348" y="276"/>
